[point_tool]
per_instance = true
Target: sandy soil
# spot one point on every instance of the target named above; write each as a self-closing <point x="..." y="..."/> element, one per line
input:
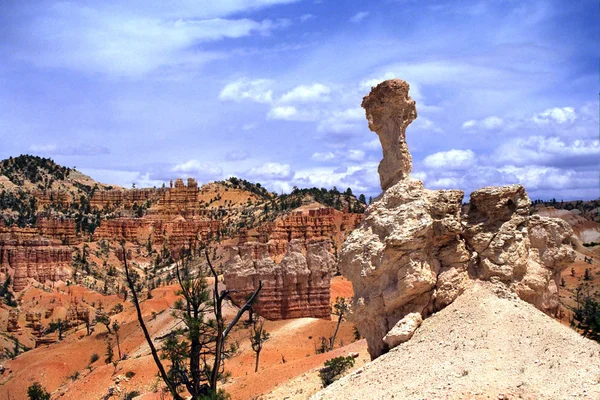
<point x="482" y="346"/>
<point x="64" y="368"/>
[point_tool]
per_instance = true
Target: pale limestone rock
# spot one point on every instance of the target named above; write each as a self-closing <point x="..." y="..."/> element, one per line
<point x="403" y="330"/>
<point x="389" y="111"/>
<point x="414" y="253"/>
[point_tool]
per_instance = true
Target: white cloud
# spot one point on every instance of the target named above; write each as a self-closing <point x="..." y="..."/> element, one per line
<point x="326" y="156"/>
<point x="559" y="115"/>
<point x="356" y="155"/>
<point x="306" y="17"/>
<point x="271" y="170"/>
<point x="542" y="150"/>
<point x="257" y="90"/>
<point x="192" y="167"/>
<point x="359" y="16"/>
<point x="345" y="121"/>
<point x="316" y="92"/>
<point x="452" y="159"/>
<point x="489" y="123"/>
<point x="291" y="113"/>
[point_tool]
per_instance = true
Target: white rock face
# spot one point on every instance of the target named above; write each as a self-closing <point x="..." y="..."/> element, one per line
<point x="416" y="253"/>
<point x="403" y="330"/>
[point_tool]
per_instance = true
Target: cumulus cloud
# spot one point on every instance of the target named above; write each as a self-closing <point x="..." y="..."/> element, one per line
<point x="316" y="92"/>
<point x="271" y="170"/>
<point x="452" y="159"/>
<point x="558" y="115"/>
<point x="356" y="155"/>
<point x="489" y="123"/>
<point x="346" y="121"/>
<point x="325" y="156"/>
<point x="359" y="16"/>
<point x="195" y="168"/>
<point x="257" y="90"/>
<point x="549" y="151"/>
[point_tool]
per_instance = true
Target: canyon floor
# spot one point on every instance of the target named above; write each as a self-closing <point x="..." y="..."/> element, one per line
<point x="288" y="363"/>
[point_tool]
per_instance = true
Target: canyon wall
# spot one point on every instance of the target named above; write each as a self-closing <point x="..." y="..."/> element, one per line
<point x="296" y="287"/>
<point x="324" y="223"/>
<point x="25" y="254"/>
<point x="416" y="253"/>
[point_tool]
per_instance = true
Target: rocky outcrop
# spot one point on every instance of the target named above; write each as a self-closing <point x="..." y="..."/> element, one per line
<point x="296" y="287"/>
<point x="25" y="255"/>
<point x="307" y="225"/>
<point x="416" y="253"/>
<point x="403" y="330"/>
<point x="59" y="228"/>
<point x="136" y="230"/>
<point x="389" y="111"/>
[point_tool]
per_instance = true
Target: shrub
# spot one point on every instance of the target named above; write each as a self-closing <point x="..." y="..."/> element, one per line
<point x="37" y="392"/>
<point x="130" y="374"/>
<point x="334" y="368"/>
<point x="95" y="357"/>
<point x="131" y="395"/>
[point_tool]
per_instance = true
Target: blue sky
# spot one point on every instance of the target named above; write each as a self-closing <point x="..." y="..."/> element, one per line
<point x="270" y="90"/>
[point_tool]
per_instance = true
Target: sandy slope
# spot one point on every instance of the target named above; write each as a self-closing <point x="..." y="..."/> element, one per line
<point x="484" y="347"/>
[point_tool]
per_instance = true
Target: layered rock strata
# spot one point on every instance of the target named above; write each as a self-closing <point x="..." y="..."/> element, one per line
<point x="416" y="253"/>
<point x="26" y="255"/>
<point x="298" y="286"/>
<point x="306" y="225"/>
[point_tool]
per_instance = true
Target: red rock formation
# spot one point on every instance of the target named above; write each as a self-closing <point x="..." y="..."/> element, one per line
<point x="306" y="225"/>
<point x="122" y="198"/>
<point x="24" y="254"/>
<point x="135" y="230"/>
<point x="61" y="198"/>
<point x="61" y="229"/>
<point x="13" y="321"/>
<point x="298" y="286"/>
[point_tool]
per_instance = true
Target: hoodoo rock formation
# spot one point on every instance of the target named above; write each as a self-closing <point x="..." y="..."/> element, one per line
<point x="26" y="255"/>
<point x="389" y="111"/>
<point x="305" y="225"/>
<point x="416" y="253"/>
<point x="298" y="286"/>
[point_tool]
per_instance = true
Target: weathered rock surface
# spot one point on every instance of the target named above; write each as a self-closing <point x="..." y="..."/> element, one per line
<point x="25" y="255"/>
<point x="403" y="330"/>
<point x="389" y="111"/>
<point x="415" y="253"/>
<point x="308" y="225"/>
<point x="482" y="346"/>
<point x="298" y="286"/>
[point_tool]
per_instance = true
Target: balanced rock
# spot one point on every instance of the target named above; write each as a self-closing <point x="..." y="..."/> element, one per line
<point x="416" y="253"/>
<point x="389" y="111"/>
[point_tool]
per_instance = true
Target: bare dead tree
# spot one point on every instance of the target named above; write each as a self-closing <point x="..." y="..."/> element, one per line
<point x="258" y="335"/>
<point x="198" y="363"/>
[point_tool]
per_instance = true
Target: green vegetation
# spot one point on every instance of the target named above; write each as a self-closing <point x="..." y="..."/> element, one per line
<point x="33" y="169"/>
<point x="586" y="315"/>
<point x="37" y="392"/>
<point x="334" y="368"/>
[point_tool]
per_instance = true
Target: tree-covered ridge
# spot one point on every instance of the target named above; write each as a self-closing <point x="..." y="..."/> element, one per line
<point x="331" y="198"/>
<point x="34" y="169"/>
<point x="588" y="209"/>
<point x="242" y="184"/>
